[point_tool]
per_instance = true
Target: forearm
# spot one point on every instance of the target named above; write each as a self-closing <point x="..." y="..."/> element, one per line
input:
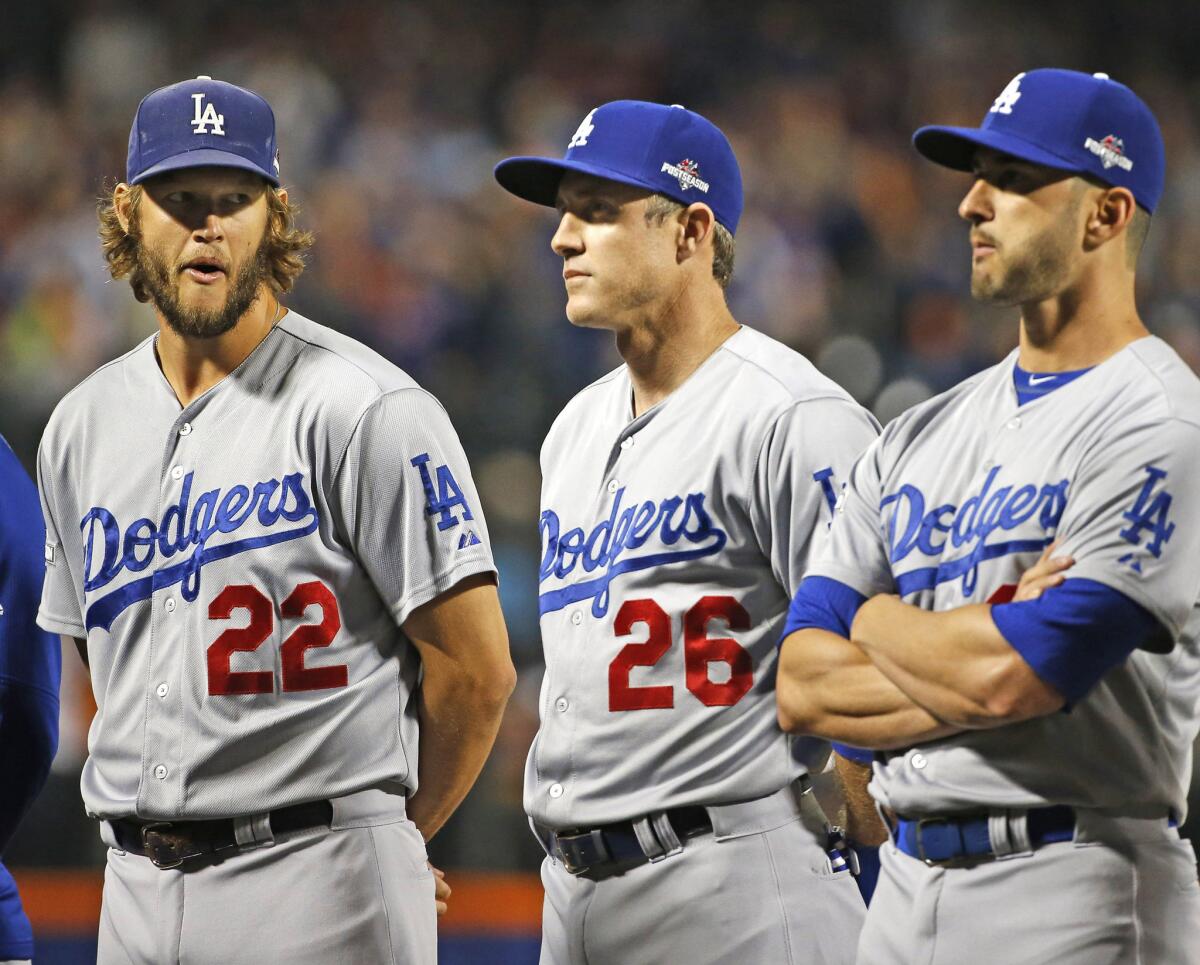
<point x="862" y="820"/>
<point x="953" y="662"/>
<point x="828" y="687"/>
<point x="459" y="716"/>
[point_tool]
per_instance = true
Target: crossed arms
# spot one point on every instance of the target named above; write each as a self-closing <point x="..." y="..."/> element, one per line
<point x="906" y="675"/>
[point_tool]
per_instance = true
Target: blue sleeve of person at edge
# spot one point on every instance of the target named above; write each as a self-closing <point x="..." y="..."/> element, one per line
<point x="1075" y="633"/>
<point x="825" y="604"/>
<point x="30" y="671"/>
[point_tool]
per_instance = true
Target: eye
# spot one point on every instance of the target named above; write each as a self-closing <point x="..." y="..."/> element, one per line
<point x="179" y="197"/>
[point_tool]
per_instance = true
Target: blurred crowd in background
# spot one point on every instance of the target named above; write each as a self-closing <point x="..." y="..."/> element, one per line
<point x="391" y="116"/>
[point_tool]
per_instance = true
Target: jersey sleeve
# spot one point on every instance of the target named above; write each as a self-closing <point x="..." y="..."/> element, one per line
<point x="60" y="607"/>
<point x="1132" y="519"/>
<point x="405" y="495"/>
<point x="855" y="552"/>
<point x="805" y="457"/>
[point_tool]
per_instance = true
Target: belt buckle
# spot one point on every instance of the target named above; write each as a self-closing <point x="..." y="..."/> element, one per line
<point x="579" y="852"/>
<point x="162" y="851"/>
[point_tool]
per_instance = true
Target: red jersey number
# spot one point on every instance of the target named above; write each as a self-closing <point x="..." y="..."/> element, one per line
<point x="699" y="652"/>
<point x="224" y="682"/>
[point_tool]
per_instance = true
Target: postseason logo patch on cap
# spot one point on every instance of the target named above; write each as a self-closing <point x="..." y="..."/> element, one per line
<point x="687" y="173"/>
<point x="1110" y="151"/>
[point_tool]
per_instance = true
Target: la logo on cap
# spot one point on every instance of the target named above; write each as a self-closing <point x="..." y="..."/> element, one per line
<point x="583" y="132"/>
<point x="1008" y="97"/>
<point x="206" y="120"/>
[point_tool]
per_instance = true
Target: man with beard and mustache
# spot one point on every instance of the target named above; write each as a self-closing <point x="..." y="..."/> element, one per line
<point x="1007" y="609"/>
<point x="266" y="544"/>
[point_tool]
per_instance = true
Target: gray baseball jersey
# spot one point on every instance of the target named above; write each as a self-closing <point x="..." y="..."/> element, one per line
<point x="672" y="543"/>
<point x="240" y="568"/>
<point x="961" y="494"/>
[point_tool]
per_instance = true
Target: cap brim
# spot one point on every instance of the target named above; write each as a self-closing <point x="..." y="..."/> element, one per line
<point x="205" y="158"/>
<point x="954" y="147"/>
<point x="536" y="179"/>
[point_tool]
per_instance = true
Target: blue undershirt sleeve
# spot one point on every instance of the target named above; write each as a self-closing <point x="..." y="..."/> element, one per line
<point x="824" y="604"/>
<point x="1073" y="634"/>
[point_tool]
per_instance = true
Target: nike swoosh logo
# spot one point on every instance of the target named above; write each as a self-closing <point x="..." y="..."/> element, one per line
<point x="1036" y="380"/>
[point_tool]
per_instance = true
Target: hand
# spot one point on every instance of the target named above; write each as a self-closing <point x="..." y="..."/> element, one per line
<point x="441" y="890"/>
<point x="1045" y="573"/>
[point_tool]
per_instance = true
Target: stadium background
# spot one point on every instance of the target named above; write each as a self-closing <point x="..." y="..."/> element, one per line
<point x="390" y="118"/>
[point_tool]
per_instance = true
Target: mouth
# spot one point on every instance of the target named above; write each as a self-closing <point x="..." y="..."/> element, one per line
<point x="982" y="246"/>
<point x="205" y="271"/>
<point x="570" y="273"/>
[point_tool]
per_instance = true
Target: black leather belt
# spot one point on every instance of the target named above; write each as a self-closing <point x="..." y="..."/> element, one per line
<point x="613" y="849"/>
<point x="168" y="844"/>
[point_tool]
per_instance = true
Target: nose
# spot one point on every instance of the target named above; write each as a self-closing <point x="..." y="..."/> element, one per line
<point x="209" y="228"/>
<point x="976" y="205"/>
<point x="567" y="240"/>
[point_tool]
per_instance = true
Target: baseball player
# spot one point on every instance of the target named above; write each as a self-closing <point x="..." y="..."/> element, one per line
<point x="30" y="671"/>
<point x="681" y="497"/>
<point x="1007" y="607"/>
<point x="267" y="544"/>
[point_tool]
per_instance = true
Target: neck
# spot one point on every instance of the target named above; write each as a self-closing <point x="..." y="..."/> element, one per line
<point x="1078" y="328"/>
<point x="192" y="366"/>
<point x="661" y="351"/>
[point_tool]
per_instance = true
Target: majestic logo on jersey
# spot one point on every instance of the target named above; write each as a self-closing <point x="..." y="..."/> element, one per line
<point x="1008" y="97"/>
<point x="626" y="528"/>
<point x="186" y="529"/>
<point x="583" y="132"/>
<point x="1148" y="514"/>
<point x="1110" y="151"/>
<point x="931" y="532"/>
<point x="441" y="500"/>
<point x="687" y="173"/>
<point x="207" y="120"/>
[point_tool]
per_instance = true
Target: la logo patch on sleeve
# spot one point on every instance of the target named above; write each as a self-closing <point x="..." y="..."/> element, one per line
<point x="1149" y="514"/>
<point x="442" y="495"/>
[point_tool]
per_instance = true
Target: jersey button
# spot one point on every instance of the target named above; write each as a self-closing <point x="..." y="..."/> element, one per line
<point x="613" y="486"/>
<point x="161" y="772"/>
<point x="919" y="761"/>
<point x="561" y="705"/>
<point x="1014" y="423"/>
<point x="576" y="617"/>
<point x="162" y="690"/>
<point x="177" y="472"/>
<point x="556" y="791"/>
<point x="170" y="604"/>
<point x="627" y="443"/>
<point x="185" y="429"/>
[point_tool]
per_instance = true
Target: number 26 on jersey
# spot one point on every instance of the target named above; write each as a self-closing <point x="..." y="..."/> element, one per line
<point x="700" y="651"/>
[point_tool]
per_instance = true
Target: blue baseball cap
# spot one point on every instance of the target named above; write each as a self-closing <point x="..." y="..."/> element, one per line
<point x="202" y="123"/>
<point x="666" y="150"/>
<point x="1064" y="119"/>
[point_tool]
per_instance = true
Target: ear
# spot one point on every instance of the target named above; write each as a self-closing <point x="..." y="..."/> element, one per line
<point x="1110" y="216"/>
<point x="121" y="205"/>
<point x="696" y="227"/>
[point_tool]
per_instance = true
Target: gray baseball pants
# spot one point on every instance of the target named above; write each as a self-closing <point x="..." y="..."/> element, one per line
<point x="1124" y="892"/>
<point x="758" y="891"/>
<point x="357" y="893"/>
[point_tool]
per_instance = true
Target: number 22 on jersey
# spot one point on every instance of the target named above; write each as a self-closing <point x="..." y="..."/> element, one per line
<point x="222" y="681"/>
<point x="699" y="651"/>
